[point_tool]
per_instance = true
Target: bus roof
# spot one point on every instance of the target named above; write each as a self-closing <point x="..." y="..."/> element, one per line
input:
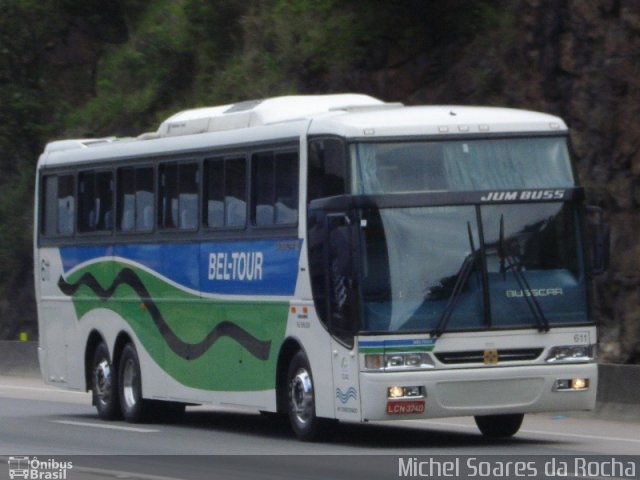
<point x="436" y="120"/>
<point x="348" y="115"/>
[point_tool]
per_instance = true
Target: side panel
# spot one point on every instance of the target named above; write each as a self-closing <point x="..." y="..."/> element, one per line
<point x="56" y="319"/>
<point x="347" y="382"/>
<point x="207" y="327"/>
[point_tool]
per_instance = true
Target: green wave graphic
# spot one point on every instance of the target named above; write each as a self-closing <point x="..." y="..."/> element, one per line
<point x="226" y="364"/>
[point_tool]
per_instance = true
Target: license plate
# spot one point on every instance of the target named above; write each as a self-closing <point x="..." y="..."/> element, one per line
<point x="405" y="407"/>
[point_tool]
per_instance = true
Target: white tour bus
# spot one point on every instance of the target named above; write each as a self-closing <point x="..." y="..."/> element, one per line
<point x="326" y="257"/>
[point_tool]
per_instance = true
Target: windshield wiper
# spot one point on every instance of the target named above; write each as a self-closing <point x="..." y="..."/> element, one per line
<point x="461" y="280"/>
<point x="505" y="253"/>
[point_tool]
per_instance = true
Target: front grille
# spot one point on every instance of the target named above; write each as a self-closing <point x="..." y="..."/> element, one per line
<point x="477" y="356"/>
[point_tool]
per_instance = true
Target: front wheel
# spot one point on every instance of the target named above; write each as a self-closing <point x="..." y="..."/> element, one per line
<point x="301" y="405"/>
<point x="499" y="426"/>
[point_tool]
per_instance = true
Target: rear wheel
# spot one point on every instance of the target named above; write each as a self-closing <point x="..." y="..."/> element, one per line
<point x="104" y="384"/>
<point x="301" y="405"/>
<point x="134" y="408"/>
<point x="499" y="426"/>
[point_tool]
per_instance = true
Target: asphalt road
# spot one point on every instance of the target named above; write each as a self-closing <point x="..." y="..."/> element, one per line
<point x="37" y="420"/>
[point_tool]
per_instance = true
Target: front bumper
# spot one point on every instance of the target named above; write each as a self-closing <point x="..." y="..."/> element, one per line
<point x="481" y="391"/>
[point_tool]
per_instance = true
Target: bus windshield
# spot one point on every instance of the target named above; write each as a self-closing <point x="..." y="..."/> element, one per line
<point x="412" y="259"/>
<point x="460" y="165"/>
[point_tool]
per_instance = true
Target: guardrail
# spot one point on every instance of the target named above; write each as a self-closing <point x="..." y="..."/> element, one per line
<point x="618" y="385"/>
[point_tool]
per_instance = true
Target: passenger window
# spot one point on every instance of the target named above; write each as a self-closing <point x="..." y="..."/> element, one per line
<point x="225" y="204"/>
<point x="144" y="199"/>
<point x="135" y="199"/>
<point x="286" y="189"/>
<point x="168" y="208"/>
<point x="178" y="206"/>
<point x="275" y="188"/>
<point x="95" y="193"/>
<point x="263" y="188"/>
<point x="48" y="206"/>
<point x="126" y="199"/>
<point x="188" y="196"/>
<point x="66" y="205"/>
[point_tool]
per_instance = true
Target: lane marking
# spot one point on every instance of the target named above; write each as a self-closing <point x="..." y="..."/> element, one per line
<point x="578" y="435"/>
<point x="537" y="432"/>
<point x="105" y="426"/>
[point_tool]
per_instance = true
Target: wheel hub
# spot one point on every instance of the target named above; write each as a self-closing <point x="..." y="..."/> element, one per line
<point x="102" y="381"/>
<point x="129" y="378"/>
<point x="301" y="396"/>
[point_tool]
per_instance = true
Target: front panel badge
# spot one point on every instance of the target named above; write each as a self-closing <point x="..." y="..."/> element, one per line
<point x="490" y="357"/>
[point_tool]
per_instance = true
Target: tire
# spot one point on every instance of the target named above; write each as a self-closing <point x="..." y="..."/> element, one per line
<point x="134" y="408"/>
<point x="104" y="385"/>
<point x="499" y="426"/>
<point x="301" y="406"/>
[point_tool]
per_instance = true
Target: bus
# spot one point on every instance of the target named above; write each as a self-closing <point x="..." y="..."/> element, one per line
<point x="324" y="258"/>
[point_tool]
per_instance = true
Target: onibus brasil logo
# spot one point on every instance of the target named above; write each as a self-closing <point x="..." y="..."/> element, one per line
<point x="32" y="468"/>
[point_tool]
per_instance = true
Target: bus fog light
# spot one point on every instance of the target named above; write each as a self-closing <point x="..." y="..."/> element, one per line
<point x="571" y="384"/>
<point x="405" y="392"/>
<point x="579" y="383"/>
<point x="396" y="392"/>
<point x="373" y="362"/>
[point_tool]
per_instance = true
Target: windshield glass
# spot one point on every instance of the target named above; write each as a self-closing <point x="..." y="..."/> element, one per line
<point x="533" y="250"/>
<point x="412" y="259"/>
<point x="459" y="165"/>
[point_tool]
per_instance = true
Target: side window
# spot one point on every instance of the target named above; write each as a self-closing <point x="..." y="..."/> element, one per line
<point x="48" y="206"/>
<point x="226" y="190"/>
<point x="126" y="199"/>
<point x="95" y="192"/>
<point x="188" y="196"/>
<point x="326" y="172"/>
<point x="135" y="199"/>
<point x="168" y="196"/>
<point x="286" y="190"/>
<point x="66" y="205"/>
<point x="178" y="196"/>
<point x="144" y="199"/>
<point x="57" y="206"/>
<point x="262" y="178"/>
<point x="275" y="188"/>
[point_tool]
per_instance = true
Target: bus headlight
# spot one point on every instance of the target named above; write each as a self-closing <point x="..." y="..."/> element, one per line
<point x="398" y="361"/>
<point x="571" y="353"/>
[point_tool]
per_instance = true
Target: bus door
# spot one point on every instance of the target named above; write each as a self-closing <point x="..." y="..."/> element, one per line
<point x="340" y="279"/>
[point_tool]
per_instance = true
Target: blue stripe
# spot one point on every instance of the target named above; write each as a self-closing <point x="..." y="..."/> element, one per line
<point x="260" y="267"/>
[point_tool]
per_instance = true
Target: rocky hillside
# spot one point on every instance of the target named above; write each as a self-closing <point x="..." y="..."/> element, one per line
<point x="72" y="68"/>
